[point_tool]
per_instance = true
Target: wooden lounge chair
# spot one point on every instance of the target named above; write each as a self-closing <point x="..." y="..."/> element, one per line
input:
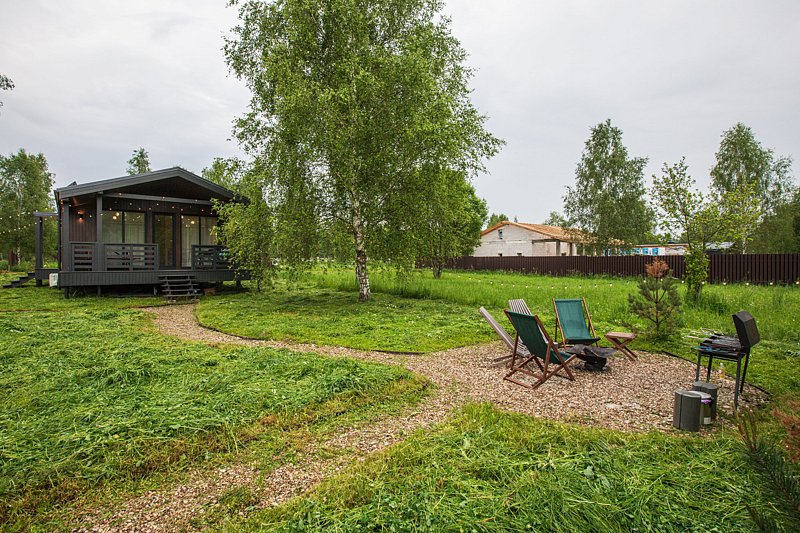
<point x="543" y="351"/>
<point x="574" y="322"/>
<point x="504" y="336"/>
<point x="519" y="306"/>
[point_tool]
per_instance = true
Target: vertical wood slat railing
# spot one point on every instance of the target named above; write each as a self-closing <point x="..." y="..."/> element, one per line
<point x="210" y="257"/>
<point x="81" y="256"/>
<point x="753" y="268"/>
<point x="120" y="257"/>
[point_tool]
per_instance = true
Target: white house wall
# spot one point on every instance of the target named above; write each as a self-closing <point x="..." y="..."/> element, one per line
<point x="519" y="241"/>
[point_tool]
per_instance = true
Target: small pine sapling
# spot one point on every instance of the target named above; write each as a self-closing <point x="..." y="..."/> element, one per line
<point x="658" y="301"/>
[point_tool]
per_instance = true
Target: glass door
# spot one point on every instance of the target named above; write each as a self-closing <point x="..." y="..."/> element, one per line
<point x="164" y="237"/>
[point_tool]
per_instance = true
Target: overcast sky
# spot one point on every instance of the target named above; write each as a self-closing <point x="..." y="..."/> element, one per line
<point x="97" y="79"/>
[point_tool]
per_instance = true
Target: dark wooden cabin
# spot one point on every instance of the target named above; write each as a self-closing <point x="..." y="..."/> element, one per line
<point x="140" y="230"/>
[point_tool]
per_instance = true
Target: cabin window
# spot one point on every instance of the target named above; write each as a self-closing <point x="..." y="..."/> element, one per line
<point x="123" y="226"/>
<point x="500" y="234"/>
<point x="134" y="228"/>
<point x="195" y="230"/>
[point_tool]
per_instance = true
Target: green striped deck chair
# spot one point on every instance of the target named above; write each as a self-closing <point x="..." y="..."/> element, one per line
<point x="543" y="351"/>
<point x="574" y="322"/>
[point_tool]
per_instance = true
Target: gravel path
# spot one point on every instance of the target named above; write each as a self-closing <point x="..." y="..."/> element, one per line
<point x="627" y="396"/>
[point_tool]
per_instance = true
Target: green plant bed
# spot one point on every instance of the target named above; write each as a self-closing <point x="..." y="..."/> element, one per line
<point x="90" y="397"/>
<point x="330" y="317"/>
<point x="487" y="470"/>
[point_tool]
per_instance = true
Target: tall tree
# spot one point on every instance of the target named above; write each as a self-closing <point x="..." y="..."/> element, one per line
<point x="225" y="172"/>
<point x="351" y="101"/>
<point x="452" y="225"/>
<point x="25" y="185"/>
<point x="698" y="219"/>
<point x="139" y="163"/>
<point x="686" y="212"/>
<point x="248" y="228"/>
<point x="496" y="218"/>
<point x="607" y="201"/>
<point x="742" y="160"/>
<point x="780" y="232"/>
<point x="556" y="219"/>
<point x="5" y="85"/>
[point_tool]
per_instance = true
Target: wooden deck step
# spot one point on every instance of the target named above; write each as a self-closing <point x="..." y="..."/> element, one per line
<point x="179" y="286"/>
<point x="20" y="281"/>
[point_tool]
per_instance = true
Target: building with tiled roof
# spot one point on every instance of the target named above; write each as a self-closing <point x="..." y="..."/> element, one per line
<point x="508" y="238"/>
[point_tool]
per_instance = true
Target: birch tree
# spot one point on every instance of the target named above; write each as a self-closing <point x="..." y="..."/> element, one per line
<point x="351" y="100"/>
<point x="741" y="160"/>
<point x="607" y="201"/>
<point x="139" y="163"/>
<point x="25" y="185"/>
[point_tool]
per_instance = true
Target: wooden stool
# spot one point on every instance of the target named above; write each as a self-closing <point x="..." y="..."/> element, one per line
<point x="620" y="340"/>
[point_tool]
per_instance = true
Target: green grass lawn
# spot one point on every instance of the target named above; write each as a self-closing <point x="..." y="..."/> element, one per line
<point x="32" y="298"/>
<point x="486" y="470"/>
<point x="775" y="364"/>
<point x="91" y="396"/>
<point x="309" y="314"/>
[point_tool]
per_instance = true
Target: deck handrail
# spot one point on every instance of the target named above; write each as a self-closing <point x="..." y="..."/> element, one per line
<point x="210" y="257"/>
<point x="130" y="256"/>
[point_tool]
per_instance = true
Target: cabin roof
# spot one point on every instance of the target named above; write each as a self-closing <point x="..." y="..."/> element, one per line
<point x="168" y="175"/>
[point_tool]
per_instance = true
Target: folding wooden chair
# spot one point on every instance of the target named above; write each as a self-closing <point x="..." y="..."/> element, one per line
<point x="519" y="306"/>
<point x="543" y="351"/>
<point x="574" y="322"/>
<point x="504" y="336"/>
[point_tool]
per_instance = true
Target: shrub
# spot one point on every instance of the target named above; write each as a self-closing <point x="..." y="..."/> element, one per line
<point x="696" y="271"/>
<point x="658" y="301"/>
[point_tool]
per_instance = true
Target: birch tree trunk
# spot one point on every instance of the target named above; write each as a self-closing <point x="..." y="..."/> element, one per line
<point x="361" y="258"/>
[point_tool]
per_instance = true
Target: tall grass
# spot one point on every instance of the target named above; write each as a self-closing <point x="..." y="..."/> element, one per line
<point x="607" y="297"/>
<point x="331" y="317"/>
<point x="487" y="470"/>
<point x="89" y="397"/>
<point x="775" y="363"/>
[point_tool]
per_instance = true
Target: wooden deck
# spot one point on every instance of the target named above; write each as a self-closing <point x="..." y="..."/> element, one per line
<point x="142" y="277"/>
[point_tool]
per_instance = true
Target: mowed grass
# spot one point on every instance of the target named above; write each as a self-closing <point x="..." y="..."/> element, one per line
<point x="94" y="396"/>
<point x="32" y="298"/>
<point x="775" y="364"/>
<point x="308" y="314"/>
<point x="487" y="470"/>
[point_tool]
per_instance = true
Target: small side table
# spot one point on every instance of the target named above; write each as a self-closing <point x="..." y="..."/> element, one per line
<point x="620" y="340"/>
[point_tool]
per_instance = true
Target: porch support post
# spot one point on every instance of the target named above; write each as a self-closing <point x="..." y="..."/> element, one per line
<point x="39" y="260"/>
<point x="99" y="251"/>
<point x="66" y="246"/>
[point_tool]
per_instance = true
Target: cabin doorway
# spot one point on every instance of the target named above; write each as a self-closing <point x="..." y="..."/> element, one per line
<point x="164" y="237"/>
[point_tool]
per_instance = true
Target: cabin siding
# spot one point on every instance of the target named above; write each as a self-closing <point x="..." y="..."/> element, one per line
<point x="82" y="227"/>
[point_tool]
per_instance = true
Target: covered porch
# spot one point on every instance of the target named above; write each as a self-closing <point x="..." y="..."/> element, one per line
<point x="135" y="230"/>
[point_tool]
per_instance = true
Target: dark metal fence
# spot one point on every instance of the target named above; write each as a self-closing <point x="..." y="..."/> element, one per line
<point x="753" y="268"/>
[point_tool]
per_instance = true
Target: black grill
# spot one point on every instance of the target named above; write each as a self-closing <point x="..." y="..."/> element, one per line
<point x="720" y="346"/>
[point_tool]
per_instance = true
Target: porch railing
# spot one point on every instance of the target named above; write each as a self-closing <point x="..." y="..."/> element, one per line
<point x="131" y="256"/>
<point x="210" y="257"/>
<point x="100" y="256"/>
<point x="81" y="256"/>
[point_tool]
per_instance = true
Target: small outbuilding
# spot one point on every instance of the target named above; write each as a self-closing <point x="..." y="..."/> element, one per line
<point x="144" y="229"/>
